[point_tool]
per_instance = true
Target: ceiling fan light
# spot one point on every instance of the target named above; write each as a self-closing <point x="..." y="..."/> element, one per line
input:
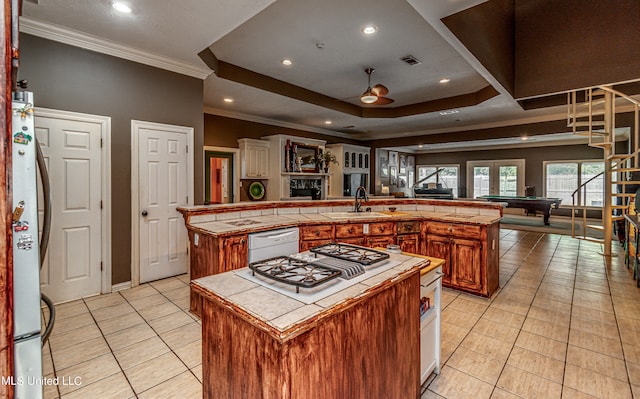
<point x="368" y="97"/>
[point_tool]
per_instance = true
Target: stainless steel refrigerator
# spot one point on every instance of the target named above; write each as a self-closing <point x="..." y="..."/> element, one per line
<point x="26" y="254"/>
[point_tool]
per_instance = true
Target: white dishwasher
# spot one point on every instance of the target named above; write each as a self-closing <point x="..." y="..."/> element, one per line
<point x="268" y="244"/>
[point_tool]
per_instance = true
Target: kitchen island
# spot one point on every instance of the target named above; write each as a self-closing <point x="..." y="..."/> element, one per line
<point x="359" y="342"/>
<point x="463" y="233"/>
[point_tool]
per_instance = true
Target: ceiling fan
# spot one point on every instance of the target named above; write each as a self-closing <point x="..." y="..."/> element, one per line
<point x="375" y="95"/>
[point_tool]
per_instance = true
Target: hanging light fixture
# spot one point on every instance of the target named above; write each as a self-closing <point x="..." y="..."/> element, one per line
<point x="369" y="97"/>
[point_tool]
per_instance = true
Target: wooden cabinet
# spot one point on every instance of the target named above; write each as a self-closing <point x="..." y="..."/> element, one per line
<point x="350" y="233"/>
<point x="439" y="246"/>
<point x="470" y="254"/>
<point x="254" y="156"/>
<point x="466" y="265"/>
<point x="380" y="234"/>
<point x="312" y="236"/>
<point x="234" y="253"/>
<point x="381" y="229"/>
<point x="212" y="255"/>
<point x="409" y="243"/>
<point x="409" y="236"/>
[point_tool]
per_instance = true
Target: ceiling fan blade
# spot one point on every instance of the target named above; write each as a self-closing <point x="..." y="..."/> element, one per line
<point x="380" y="90"/>
<point x="383" y="101"/>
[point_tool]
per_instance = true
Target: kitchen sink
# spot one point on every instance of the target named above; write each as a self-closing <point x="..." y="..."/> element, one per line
<point x="348" y="215"/>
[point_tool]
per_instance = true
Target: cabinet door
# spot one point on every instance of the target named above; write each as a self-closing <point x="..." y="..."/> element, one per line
<point x="257" y="161"/>
<point x="409" y="243"/>
<point x="466" y="267"/>
<point x="354" y="241"/>
<point x="262" y="156"/>
<point x="379" y="241"/>
<point x="308" y="244"/>
<point x="440" y="247"/>
<point x="235" y="253"/>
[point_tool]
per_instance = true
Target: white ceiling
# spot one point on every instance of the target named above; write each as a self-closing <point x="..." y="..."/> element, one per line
<point x="256" y="35"/>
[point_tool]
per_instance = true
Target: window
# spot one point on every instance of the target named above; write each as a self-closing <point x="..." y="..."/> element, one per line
<point x="563" y="178"/>
<point x="447" y="178"/>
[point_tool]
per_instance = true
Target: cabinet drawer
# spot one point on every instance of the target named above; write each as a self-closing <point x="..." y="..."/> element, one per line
<point x="408" y="227"/>
<point x="348" y="230"/>
<point x="316" y="232"/>
<point x="458" y="230"/>
<point x="381" y="229"/>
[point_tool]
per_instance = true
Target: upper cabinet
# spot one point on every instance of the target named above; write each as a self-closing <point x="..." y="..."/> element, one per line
<point x="351" y="171"/>
<point x="254" y="156"/>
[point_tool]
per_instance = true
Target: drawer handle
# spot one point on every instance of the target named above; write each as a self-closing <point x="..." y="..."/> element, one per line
<point x="317" y="232"/>
<point x="350" y="231"/>
<point x="242" y="241"/>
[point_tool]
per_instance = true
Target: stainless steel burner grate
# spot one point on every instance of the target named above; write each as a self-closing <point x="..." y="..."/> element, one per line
<point x="352" y="253"/>
<point x="293" y="271"/>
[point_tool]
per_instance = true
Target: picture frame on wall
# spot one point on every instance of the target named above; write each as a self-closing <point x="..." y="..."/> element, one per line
<point x="402" y="181"/>
<point x="393" y="175"/>
<point x="403" y="164"/>
<point x="393" y="158"/>
<point x="384" y="167"/>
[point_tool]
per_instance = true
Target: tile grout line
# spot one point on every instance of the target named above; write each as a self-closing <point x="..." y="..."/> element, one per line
<point x="491" y="300"/>
<point x="160" y="338"/>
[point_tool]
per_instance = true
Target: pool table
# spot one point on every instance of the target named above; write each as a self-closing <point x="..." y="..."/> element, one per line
<point x="531" y="204"/>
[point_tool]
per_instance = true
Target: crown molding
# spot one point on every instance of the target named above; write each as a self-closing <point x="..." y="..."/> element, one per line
<point x="89" y="42"/>
<point x="272" y="122"/>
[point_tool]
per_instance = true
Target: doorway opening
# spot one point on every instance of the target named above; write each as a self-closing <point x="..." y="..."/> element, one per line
<point x="218" y="177"/>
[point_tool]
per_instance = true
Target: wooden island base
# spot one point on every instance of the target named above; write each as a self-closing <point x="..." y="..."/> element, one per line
<point x="367" y="347"/>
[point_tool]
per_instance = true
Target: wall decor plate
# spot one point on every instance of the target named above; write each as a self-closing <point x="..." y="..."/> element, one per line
<point x="256" y="190"/>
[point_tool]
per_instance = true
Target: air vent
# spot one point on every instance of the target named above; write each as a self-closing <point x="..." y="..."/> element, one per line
<point x="411" y="60"/>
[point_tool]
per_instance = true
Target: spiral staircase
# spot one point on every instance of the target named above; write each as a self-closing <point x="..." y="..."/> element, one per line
<point x="592" y="113"/>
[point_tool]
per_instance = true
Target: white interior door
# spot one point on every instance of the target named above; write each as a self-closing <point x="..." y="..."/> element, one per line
<point x="502" y="177"/>
<point x="163" y="185"/>
<point x="72" y="152"/>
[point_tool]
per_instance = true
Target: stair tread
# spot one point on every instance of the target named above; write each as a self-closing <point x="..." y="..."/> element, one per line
<point x="593" y="239"/>
<point x="595" y="227"/>
<point x="586" y="123"/>
<point x="587" y="133"/>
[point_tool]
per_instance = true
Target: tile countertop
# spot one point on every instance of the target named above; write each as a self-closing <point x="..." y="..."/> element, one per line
<point x="283" y="317"/>
<point x="239" y="223"/>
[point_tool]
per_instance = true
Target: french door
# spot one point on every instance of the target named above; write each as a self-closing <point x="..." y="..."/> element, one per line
<point x="499" y="177"/>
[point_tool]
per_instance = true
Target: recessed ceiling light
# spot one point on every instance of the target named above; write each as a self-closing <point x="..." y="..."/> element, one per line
<point x="228" y="100"/>
<point x="420" y="146"/>
<point x="286" y="62"/>
<point x="445" y="80"/>
<point x="121" y="7"/>
<point x="369" y="29"/>
<point x="524" y="138"/>
<point x="327" y="122"/>
<point x="449" y="112"/>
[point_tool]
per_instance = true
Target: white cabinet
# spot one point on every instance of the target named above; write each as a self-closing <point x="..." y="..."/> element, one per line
<point x="431" y="288"/>
<point x="254" y="155"/>
<point x="351" y="171"/>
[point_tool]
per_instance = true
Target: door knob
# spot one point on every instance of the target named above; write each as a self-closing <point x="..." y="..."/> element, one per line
<point x="145" y="213"/>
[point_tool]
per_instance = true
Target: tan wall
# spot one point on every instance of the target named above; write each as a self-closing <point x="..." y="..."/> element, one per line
<point x="72" y="79"/>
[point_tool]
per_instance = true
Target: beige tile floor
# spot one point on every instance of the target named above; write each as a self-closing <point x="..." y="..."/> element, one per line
<point x="565" y="324"/>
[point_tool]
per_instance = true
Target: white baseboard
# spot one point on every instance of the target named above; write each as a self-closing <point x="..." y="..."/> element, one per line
<point x="121" y="286"/>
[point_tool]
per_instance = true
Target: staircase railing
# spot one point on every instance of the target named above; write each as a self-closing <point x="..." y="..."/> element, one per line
<point x="591" y="112"/>
<point x="581" y="206"/>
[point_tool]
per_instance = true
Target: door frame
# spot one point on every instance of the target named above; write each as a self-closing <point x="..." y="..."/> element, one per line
<point x="520" y="163"/>
<point x="136" y="125"/>
<point x="105" y="184"/>
<point x="236" y="168"/>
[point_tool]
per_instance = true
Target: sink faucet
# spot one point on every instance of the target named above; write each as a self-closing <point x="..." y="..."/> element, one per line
<point x="361" y="194"/>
